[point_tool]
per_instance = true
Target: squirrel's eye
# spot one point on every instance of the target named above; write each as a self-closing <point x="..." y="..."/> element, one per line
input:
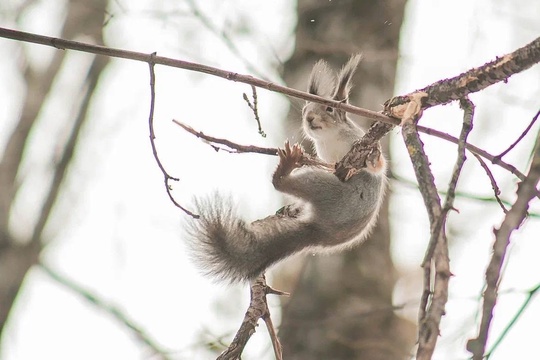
<point x="329" y="109"/>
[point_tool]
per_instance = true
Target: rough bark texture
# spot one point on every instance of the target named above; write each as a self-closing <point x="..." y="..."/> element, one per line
<point x="341" y="307"/>
<point x="17" y="256"/>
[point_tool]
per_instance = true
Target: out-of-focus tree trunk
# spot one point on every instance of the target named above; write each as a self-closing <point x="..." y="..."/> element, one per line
<point x="341" y="305"/>
<point x="17" y="255"/>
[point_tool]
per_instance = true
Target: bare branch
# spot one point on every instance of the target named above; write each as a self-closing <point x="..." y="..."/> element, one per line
<point x="494" y="185"/>
<point x="161" y="60"/>
<point x="429" y="316"/>
<point x="166" y="176"/>
<point x="512" y="221"/>
<point x="258" y="309"/>
<point x="468" y="114"/>
<point x="442" y="92"/>
<point x="112" y="310"/>
<point x="376" y="132"/>
<point x="254" y="107"/>
<point x="447" y="90"/>
<point x="237" y="148"/>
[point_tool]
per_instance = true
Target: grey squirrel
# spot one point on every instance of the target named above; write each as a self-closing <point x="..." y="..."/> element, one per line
<point x="328" y="214"/>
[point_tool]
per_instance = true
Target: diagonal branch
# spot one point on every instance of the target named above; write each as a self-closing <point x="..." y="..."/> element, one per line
<point x="512" y="221"/>
<point x="161" y="60"/>
<point x="474" y="80"/>
<point x="442" y="92"/>
<point x="258" y="309"/>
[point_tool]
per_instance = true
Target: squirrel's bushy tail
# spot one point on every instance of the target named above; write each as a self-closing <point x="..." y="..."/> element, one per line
<point x="231" y="249"/>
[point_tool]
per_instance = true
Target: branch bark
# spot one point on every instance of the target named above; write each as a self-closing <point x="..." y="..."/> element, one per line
<point x="258" y="309"/>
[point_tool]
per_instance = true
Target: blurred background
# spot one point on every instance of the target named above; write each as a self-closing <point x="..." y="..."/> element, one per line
<point x="92" y="262"/>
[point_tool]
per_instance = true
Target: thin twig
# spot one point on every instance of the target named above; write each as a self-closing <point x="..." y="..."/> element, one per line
<point x="468" y="114"/>
<point x="255" y="108"/>
<point x="166" y="176"/>
<point x="494" y="186"/>
<point x="527" y="129"/>
<point x="258" y="309"/>
<point x="112" y="310"/>
<point x="512" y="221"/>
<point x="237" y="148"/>
<point x="530" y="296"/>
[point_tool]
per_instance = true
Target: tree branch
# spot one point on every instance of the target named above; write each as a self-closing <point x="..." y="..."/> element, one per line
<point x="258" y="309"/>
<point x="429" y="316"/>
<point x="161" y="60"/>
<point x="442" y="92"/>
<point x="474" y="80"/>
<point x="512" y="221"/>
<point x="524" y="57"/>
<point x="166" y="176"/>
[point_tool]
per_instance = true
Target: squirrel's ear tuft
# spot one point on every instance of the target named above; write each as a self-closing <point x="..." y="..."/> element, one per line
<point x="344" y="84"/>
<point x="321" y="80"/>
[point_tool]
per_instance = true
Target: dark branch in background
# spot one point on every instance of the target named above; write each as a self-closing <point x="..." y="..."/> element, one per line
<point x="60" y="170"/>
<point x="258" y="309"/>
<point x="494" y="185"/>
<point x="254" y="107"/>
<point x="512" y="221"/>
<point x="166" y="176"/>
<point x="112" y="310"/>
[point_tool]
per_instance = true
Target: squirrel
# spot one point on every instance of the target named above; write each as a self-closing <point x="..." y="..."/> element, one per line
<point x="328" y="215"/>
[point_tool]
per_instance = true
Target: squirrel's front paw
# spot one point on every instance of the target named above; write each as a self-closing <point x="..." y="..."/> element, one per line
<point x="290" y="158"/>
<point x="292" y="154"/>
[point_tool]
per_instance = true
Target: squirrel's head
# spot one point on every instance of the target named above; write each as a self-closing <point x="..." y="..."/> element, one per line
<point x="320" y="121"/>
